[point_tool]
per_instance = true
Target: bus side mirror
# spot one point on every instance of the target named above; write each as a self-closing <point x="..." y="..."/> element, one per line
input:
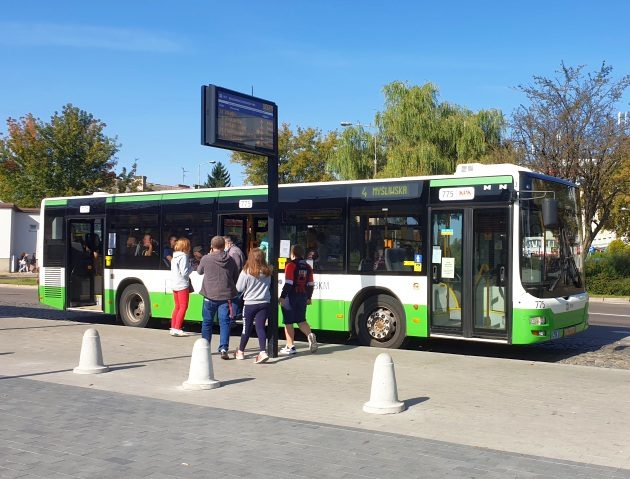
<point x="550" y="212"/>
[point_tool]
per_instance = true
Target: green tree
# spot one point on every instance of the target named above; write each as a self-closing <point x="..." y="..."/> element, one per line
<point x="353" y="159"/>
<point x="218" y="177"/>
<point x="126" y="181"/>
<point x="70" y="155"/>
<point x="569" y="129"/>
<point x="423" y="136"/>
<point x="302" y="157"/>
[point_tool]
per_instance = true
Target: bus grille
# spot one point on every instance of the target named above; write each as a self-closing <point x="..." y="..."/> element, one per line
<point x="52" y="282"/>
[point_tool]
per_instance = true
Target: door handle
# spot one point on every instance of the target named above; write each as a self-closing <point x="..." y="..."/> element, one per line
<point x="434" y="272"/>
<point x="502" y="274"/>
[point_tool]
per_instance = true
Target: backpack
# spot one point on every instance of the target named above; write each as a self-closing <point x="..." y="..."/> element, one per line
<point x="300" y="276"/>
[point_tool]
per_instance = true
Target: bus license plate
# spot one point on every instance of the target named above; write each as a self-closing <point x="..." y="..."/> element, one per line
<point x="555" y="334"/>
<point x="569" y="331"/>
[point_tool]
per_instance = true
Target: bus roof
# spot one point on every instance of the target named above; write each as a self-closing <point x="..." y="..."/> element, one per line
<point x="465" y="170"/>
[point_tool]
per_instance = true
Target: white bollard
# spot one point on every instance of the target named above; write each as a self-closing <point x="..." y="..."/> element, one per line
<point x="201" y="374"/>
<point x="91" y="359"/>
<point x="384" y="394"/>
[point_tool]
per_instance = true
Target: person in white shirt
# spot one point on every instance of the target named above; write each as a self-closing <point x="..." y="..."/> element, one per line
<point x="180" y="282"/>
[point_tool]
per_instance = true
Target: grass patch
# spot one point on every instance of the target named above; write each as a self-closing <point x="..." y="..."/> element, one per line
<point x="19" y="281"/>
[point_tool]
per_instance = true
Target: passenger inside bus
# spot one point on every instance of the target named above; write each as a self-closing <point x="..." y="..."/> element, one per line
<point x="132" y="248"/>
<point x="149" y="246"/>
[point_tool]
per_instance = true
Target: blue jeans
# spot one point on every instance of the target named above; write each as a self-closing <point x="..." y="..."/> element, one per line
<point x="210" y="308"/>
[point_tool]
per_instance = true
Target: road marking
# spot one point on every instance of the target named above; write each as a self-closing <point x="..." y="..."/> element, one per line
<point x="608" y="314"/>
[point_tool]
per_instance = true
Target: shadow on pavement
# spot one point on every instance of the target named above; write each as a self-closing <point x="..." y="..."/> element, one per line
<point x="413" y="401"/>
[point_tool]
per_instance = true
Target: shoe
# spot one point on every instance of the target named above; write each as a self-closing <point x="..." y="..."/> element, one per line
<point x="239" y="354"/>
<point x="261" y="358"/>
<point x="224" y="354"/>
<point x="287" y="351"/>
<point x="312" y="343"/>
<point x="178" y="333"/>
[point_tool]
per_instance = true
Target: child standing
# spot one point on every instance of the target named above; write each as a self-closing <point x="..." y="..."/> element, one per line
<point x="180" y="282"/>
<point x="254" y="282"/>
<point x="295" y="297"/>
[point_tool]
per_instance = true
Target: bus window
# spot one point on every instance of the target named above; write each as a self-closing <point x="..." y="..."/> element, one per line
<point x="54" y="244"/>
<point x="321" y="232"/>
<point x="137" y="227"/>
<point x="383" y="240"/>
<point x="190" y="218"/>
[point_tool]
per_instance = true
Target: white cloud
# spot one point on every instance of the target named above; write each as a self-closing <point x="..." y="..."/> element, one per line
<point x="16" y="34"/>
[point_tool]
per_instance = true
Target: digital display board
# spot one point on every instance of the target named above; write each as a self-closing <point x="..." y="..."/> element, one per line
<point x="236" y="121"/>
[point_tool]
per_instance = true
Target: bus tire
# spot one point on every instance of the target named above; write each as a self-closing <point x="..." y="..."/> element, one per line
<point x="134" y="306"/>
<point x="380" y="322"/>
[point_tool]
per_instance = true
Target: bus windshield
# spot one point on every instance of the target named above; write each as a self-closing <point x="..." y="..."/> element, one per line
<point x="549" y="257"/>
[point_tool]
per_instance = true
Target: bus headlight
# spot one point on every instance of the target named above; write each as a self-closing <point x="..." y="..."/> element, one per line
<point x="538" y="321"/>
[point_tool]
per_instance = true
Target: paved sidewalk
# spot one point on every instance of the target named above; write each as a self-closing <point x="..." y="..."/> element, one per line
<point x="456" y="405"/>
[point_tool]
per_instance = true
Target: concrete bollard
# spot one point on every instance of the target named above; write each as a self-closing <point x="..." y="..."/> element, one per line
<point x="91" y="359"/>
<point x="384" y="394"/>
<point x="201" y="374"/>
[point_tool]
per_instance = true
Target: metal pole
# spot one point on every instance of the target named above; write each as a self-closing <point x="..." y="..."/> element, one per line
<point x="273" y="232"/>
<point x="199" y="177"/>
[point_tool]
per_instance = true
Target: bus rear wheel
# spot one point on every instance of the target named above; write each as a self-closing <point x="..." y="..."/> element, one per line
<point x="380" y="322"/>
<point x="134" y="306"/>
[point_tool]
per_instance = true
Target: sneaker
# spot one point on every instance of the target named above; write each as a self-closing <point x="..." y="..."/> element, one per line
<point x="312" y="343"/>
<point x="287" y="351"/>
<point x="261" y="358"/>
<point x="239" y="354"/>
<point x="224" y="354"/>
<point x="177" y="332"/>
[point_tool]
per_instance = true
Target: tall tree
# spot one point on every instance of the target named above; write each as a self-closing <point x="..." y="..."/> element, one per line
<point x="354" y="157"/>
<point x="570" y="129"/>
<point x="70" y="155"/>
<point x="423" y="136"/>
<point x="302" y="157"/>
<point x="218" y="177"/>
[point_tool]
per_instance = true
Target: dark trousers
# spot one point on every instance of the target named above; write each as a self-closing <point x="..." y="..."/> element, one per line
<point x="255" y="314"/>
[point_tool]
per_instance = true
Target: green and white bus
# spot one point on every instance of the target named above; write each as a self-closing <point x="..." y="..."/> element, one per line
<point x="442" y="256"/>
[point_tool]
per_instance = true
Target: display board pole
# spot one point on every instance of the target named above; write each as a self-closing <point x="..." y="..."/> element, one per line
<point x="273" y="231"/>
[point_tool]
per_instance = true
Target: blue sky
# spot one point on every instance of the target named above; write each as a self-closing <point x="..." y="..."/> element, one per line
<point x="139" y="66"/>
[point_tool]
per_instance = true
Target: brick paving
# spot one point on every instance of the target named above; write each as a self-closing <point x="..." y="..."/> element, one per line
<point x="58" y="431"/>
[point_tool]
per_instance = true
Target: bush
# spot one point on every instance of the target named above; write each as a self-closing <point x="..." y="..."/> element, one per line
<point x="608" y="272"/>
<point x="606" y="285"/>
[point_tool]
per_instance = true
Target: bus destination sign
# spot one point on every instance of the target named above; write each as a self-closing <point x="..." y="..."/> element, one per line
<point x="386" y="191"/>
<point x="236" y="121"/>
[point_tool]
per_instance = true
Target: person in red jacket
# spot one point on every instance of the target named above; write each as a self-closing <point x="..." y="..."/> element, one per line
<point x="295" y="297"/>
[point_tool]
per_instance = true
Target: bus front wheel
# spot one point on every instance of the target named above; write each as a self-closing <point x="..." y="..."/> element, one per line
<point x="380" y="322"/>
<point x="134" y="306"/>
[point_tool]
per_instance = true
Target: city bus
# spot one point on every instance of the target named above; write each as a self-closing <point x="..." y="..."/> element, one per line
<point x="446" y="256"/>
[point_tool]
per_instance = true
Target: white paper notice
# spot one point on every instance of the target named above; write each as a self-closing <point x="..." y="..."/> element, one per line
<point x="437" y="255"/>
<point x="285" y="248"/>
<point x="448" y="267"/>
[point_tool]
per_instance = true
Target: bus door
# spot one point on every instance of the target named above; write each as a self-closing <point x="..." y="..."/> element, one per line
<point x="85" y="263"/>
<point x="469" y="272"/>
<point x="247" y="231"/>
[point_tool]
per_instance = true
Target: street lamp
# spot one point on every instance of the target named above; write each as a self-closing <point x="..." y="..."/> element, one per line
<point x="360" y="125"/>
<point x="211" y="162"/>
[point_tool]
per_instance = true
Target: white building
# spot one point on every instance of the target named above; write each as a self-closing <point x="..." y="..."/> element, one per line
<point x="18" y="234"/>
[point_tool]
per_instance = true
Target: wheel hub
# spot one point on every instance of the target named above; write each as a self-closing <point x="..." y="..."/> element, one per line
<point x="381" y="324"/>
